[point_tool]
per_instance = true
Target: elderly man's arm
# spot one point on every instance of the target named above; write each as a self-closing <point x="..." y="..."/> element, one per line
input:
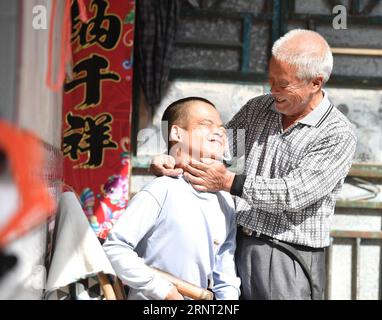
<point x="318" y="173"/>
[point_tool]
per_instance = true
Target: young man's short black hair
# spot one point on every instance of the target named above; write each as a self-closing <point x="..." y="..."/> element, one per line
<point x="176" y="111"/>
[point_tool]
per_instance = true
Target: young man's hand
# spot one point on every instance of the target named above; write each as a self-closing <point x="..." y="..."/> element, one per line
<point x="174" y="294"/>
<point x="164" y="165"/>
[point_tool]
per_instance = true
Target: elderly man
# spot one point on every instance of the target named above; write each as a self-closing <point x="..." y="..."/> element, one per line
<point x="298" y="151"/>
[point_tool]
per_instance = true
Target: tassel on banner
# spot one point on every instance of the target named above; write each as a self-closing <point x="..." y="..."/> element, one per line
<point x="65" y="49"/>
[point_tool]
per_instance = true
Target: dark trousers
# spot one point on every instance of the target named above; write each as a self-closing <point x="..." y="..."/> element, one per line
<point x="267" y="272"/>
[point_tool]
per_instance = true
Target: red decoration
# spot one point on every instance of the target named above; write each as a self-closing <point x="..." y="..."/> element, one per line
<point x="24" y="154"/>
<point x="97" y="109"/>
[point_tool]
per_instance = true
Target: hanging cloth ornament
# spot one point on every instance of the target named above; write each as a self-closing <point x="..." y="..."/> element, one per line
<point x="65" y="57"/>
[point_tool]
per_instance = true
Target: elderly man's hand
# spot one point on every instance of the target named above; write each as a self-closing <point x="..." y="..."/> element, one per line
<point x="164" y="165"/>
<point x="208" y="175"/>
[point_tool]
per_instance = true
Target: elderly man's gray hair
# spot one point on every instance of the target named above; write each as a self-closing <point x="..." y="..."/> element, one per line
<point x="308" y="51"/>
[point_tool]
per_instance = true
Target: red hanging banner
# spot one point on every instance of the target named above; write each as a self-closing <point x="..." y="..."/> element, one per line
<point x="97" y="109"/>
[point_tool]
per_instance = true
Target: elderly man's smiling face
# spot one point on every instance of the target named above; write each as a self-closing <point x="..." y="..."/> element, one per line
<point x="292" y="95"/>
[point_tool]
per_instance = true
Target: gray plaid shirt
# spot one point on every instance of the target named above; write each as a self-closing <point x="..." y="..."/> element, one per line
<point x="292" y="176"/>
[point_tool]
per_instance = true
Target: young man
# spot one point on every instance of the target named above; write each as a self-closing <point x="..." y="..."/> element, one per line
<point x="171" y="226"/>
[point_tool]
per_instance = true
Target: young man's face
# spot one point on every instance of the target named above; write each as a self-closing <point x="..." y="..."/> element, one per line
<point x="205" y="132"/>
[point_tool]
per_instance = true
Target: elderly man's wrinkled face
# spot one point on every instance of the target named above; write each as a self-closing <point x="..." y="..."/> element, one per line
<point x="292" y="95"/>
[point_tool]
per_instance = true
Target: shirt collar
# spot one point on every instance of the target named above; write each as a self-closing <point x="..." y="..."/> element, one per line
<point x="318" y="114"/>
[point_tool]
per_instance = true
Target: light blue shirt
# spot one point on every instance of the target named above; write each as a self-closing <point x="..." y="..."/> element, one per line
<point x="171" y="226"/>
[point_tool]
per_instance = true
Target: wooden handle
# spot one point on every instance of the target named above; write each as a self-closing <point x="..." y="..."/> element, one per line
<point x="106" y="286"/>
<point x="118" y="289"/>
<point x="358" y="51"/>
<point x="186" y="288"/>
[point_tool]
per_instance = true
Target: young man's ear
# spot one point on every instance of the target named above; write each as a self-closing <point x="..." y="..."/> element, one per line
<point x="176" y="134"/>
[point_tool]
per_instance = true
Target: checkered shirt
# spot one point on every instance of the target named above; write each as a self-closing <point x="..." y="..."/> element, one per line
<point x="292" y="176"/>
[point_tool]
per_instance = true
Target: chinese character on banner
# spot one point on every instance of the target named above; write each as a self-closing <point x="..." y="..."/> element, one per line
<point x="97" y="110"/>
